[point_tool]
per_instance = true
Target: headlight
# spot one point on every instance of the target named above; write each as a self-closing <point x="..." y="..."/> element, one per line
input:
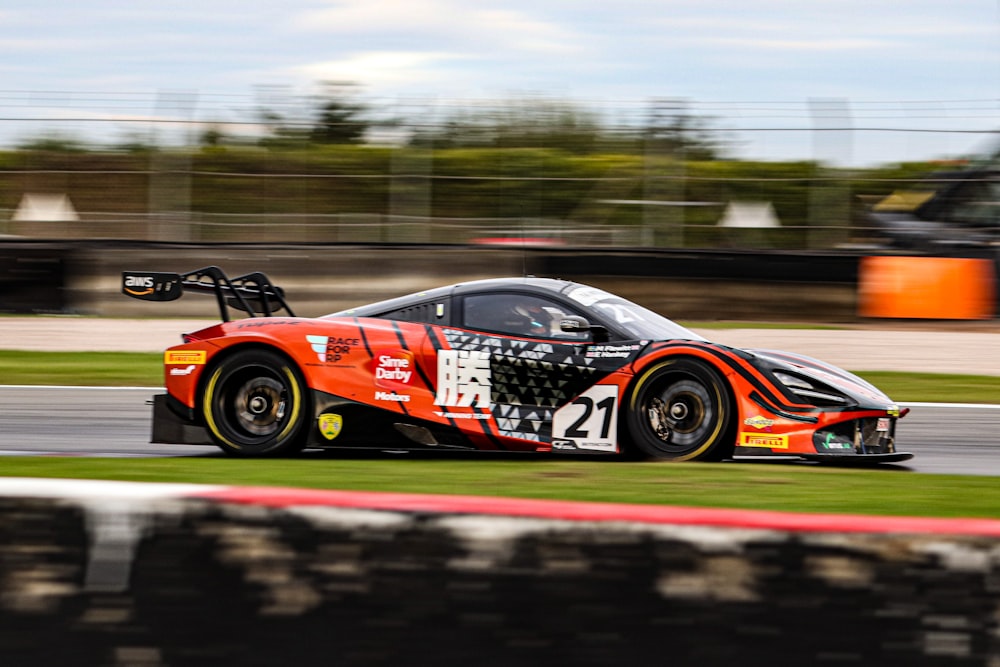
<point x="809" y="390"/>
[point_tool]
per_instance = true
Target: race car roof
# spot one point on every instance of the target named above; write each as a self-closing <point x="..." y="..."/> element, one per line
<point x="528" y="283"/>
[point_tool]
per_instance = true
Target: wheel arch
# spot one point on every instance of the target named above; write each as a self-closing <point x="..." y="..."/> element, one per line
<point x="641" y="371"/>
<point x="294" y="434"/>
<point x="222" y="355"/>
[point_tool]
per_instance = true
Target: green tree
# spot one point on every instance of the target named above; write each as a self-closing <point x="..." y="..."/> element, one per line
<point x="672" y="130"/>
<point x="340" y="119"/>
<point x="520" y="123"/>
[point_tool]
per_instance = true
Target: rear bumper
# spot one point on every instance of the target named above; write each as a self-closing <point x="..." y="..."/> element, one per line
<point x="172" y="427"/>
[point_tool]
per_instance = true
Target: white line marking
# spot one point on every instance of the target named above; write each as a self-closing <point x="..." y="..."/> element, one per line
<point x="92" y="488"/>
<point x="985" y="406"/>
<point x="72" y="386"/>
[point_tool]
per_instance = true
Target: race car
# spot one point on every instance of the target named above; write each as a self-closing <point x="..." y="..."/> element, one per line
<point x="510" y="364"/>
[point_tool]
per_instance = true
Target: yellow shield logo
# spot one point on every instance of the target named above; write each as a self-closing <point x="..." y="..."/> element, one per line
<point x="330" y="425"/>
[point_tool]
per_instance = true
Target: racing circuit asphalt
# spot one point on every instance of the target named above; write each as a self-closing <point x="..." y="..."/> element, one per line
<point x="100" y="421"/>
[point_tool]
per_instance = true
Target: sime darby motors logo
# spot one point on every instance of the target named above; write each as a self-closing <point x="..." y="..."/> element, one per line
<point x="393" y="367"/>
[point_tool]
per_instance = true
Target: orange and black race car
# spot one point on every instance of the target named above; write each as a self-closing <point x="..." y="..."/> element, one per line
<point x="512" y="364"/>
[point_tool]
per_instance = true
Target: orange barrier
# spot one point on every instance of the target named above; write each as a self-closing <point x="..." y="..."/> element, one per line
<point x="946" y="288"/>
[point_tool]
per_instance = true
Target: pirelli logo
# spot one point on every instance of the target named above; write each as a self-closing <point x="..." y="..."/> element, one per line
<point x="766" y="440"/>
<point x="196" y="357"/>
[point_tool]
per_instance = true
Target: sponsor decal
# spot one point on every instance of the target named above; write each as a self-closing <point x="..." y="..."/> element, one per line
<point x="892" y="411"/>
<point x="462" y="415"/>
<point x="331" y="349"/>
<point x="330" y="425"/>
<point x="763" y="440"/>
<point x="393" y="367"/>
<point x="185" y="357"/>
<point x="611" y="351"/>
<point x="834" y="441"/>
<point x="759" y="422"/>
<point x="882" y="424"/>
<point x="563" y="444"/>
<point x="464" y="379"/>
<point x="187" y="370"/>
<point x="588" y="296"/>
<point x="139" y="285"/>
<point x="391" y="396"/>
<point x="269" y="322"/>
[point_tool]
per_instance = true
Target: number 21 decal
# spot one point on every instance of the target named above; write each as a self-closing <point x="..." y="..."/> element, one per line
<point x="591" y="420"/>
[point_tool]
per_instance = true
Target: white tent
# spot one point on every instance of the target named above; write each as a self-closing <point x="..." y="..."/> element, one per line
<point x="45" y="208"/>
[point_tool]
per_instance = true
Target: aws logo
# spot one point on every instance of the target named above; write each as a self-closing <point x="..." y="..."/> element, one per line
<point x="139" y="285"/>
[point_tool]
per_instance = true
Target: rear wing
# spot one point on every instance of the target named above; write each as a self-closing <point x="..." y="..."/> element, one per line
<point x="252" y="293"/>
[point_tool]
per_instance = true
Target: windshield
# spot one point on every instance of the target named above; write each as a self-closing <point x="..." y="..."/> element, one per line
<point x="641" y="323"/>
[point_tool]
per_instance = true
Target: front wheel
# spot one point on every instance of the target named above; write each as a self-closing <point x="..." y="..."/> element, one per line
<point x="680" y="410"/>
<point x="254" y="404"/>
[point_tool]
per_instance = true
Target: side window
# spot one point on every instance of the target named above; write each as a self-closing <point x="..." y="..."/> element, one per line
<point x="518" y="315"/>
<point x="978" y="203"/>
<point x="431" y="313"/>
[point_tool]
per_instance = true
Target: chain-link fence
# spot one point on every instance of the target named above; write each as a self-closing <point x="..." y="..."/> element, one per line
<point x="196" y="173"/>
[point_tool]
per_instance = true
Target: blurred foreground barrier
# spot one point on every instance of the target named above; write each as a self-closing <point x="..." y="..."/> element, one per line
<point x="98" y="573"/>
<point x="927" y="287"/>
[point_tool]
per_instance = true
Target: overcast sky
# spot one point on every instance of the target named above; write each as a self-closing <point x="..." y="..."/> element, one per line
<point x="751" y="64"/>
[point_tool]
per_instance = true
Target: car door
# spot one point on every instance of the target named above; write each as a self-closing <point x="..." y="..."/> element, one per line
<point x="510" y="346"/>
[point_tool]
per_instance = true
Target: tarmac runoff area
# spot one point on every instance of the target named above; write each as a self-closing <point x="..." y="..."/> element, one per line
<point x="964" y="348"/>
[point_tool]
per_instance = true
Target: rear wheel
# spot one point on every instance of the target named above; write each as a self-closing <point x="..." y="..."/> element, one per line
<point x="680" y="410"/>
<point x="254" y="404"/>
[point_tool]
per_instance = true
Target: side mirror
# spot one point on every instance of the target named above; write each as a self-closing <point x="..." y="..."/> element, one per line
<point x="577" y="324"/>
<point x="574" y="324"/>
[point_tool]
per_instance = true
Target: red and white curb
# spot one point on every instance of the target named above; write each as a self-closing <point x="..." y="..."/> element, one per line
<point x="134" y="495"/>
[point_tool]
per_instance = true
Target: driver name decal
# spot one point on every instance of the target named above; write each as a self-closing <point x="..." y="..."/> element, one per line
<point x="463" y="378"/>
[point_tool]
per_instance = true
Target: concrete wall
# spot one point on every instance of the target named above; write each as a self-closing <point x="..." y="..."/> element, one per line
<point x="119" y="580"/>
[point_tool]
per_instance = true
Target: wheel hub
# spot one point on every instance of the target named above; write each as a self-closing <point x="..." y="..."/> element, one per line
<point x="678" y="414"/>
<point x="678" y="411"/>
<point x="258" y="405"/>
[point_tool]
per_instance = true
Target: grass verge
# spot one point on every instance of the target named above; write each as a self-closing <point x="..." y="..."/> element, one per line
<point x="117" y="369"/>
<point x="782" y="487"/>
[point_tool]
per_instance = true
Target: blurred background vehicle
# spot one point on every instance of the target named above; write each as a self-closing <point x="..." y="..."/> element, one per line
<point x="946" y="210"/>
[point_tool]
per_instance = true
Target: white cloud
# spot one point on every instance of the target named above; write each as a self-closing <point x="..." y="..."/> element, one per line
<point x="613" y="55"/>
<point x="834" y="44"/>
<point x="455" y="22"/>
<point x="378" y="68"/>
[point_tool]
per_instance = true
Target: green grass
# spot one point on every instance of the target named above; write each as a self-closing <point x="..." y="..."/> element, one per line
<point x="146" y="370"/>
<point x="786" y="487"/>
<point x="120" y="369"/>
<point x="936" y="387"/>
<point x="783" y="487"/>
<point x="738" y="324"/>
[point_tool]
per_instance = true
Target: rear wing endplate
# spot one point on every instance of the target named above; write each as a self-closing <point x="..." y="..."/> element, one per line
<point x="252" y="293"/>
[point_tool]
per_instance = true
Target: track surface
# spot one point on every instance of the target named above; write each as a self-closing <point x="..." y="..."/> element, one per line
<point x="83" y="421"/>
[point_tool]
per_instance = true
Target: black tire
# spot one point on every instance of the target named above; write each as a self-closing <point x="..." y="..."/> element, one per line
<point x="255" y="404"/>
<point x="680" y="410"/>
